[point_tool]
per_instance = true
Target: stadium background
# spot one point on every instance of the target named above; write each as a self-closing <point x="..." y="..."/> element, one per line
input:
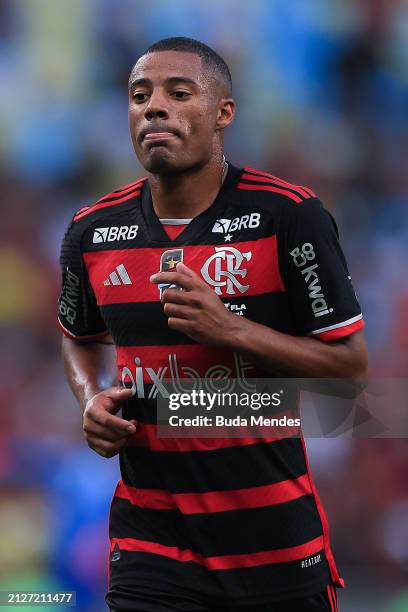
<point x="322" y="100"/>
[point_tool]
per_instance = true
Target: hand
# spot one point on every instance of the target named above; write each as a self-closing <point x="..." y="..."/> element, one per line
<point x="196" y="310"/>
<point x="104" y="432"/>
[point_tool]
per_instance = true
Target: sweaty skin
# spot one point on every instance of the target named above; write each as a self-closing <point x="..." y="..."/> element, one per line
<point x="178" y="110"/>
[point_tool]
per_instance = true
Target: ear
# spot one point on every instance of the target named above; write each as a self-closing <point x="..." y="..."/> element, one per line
<point x="226" y="113"/>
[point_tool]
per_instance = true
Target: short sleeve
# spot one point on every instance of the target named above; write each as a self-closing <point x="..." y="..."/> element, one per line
<point x="78" y="313"/>
<point x="315" y="274"/>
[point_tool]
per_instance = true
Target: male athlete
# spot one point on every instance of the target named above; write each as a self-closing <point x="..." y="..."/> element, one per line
<point x="231" y="524"/>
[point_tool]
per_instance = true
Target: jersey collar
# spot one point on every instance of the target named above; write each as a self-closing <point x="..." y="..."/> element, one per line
<point x="200" y="222"/>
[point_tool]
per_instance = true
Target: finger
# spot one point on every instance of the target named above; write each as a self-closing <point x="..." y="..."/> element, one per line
<point x="181" y="325"/>
<point x="105" y="449"/>
<point x="118" y="394"/>
<point x="107" y="420"/>
<point x="175" y="296"/>
<point x="183" y="269"/>
<point x="178" y="311"/>
<point x="92" y="429"/>
<point x="173" y="278"/>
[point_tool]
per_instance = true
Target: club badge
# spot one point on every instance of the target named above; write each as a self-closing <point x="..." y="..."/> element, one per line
<point x="168" y="263"/>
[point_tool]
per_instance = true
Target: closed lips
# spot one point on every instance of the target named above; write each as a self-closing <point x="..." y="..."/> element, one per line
<point x="158" y="135"/>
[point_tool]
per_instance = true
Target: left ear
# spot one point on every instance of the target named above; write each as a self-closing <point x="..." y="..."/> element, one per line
<point x="226" y="113"/>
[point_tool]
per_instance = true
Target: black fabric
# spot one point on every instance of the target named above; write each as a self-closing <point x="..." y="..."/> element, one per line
<point x="314" y="268"/>
<point x="78" y="311"/>
<point x="318" y="602"/>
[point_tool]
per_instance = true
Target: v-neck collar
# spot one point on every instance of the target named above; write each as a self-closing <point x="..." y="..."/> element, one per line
<point x="199" y="223"/>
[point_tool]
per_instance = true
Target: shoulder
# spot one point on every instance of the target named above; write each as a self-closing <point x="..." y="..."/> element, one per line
<point x="296" y="204"/>
<point x="270" y="189"/>
<point x="87" y="215"/>
<point x="102" y="206"/>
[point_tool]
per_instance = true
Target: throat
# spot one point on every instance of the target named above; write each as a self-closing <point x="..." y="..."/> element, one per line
<point x="185" y="196"/>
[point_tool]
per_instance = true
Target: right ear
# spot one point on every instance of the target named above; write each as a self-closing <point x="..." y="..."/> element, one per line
<point x="226" y="113"/>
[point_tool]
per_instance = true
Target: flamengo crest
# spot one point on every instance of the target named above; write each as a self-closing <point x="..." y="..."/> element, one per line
<point x="226" y="270"/>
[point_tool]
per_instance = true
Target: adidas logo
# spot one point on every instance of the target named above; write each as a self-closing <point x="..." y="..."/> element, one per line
<point x="118" y="277"/>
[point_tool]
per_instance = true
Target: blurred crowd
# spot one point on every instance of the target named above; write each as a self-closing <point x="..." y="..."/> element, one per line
<point x="322" y="98"/>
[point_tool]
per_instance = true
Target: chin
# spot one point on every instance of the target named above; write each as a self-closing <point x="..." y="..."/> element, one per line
<point x="160" y="162"/>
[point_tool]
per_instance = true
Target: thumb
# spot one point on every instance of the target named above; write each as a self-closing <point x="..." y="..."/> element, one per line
<point x="183" y="269"/>
<point x="118" y="394"/>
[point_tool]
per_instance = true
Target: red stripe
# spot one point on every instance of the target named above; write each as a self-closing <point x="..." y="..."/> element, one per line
<point x="280" y="181"/>
<point x="270" y="179"/>
<point x="262" y="276"/>
<point x="67" y="333"/>
<point x="223" y="562"/>
<point x="218" y="501"/>
<point x="309" y="191"/>
<point x="113" y="195"/>
<point x="105" y="204"/>
<point x="155" y="499"/>
<point x="329" y="597"/>
<point x="335" y="598"/>
<point x="332" y="596"/>
<point x="340" y="332"/>
<point x="146" y="437"/>
<point x="120" y="189"/>
<point x="325" y="525"/>
<point x="81" y="210"/>
<point x="284" y="192"/>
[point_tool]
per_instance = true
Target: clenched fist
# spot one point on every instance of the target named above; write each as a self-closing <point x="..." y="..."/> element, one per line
<point x="106" y="433"/>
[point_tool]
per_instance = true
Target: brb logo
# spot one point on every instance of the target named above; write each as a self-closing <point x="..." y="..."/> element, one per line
<point x="223" y="269"/>
<point x="111" y="234"/>
<point x="251" y="221"/>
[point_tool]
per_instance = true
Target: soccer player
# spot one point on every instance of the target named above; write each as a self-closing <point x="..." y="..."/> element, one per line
<point x="220" y="524"/>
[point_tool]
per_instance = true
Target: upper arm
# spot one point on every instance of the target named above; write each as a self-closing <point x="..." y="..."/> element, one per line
<point x="357" y="348"/>
<point x="315" y="274"/>
<point x="78" y="312"/>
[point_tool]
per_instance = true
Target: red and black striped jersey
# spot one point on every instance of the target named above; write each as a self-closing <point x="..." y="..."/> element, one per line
<point x="233" y="520"/>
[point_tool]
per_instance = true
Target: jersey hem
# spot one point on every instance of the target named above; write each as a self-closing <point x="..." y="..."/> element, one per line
<point x="316" y="587"/>
<point x="72" y="336"/>
<point x="340" y="331"/>
<point x="306" y="591"/>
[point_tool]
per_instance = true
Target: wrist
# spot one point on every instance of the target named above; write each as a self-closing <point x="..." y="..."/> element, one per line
<point x="88" y="393"/>
<point x="237" y="333"/>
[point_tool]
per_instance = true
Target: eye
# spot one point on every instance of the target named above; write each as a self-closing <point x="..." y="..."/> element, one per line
<point x="180" y="94"/>
<point x="139" y="97"/>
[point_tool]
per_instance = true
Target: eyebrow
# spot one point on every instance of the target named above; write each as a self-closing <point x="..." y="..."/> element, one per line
<point x="170" y="81"/>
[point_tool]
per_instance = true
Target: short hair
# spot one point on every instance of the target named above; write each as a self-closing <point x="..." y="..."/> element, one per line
<point x="188" y="45"/>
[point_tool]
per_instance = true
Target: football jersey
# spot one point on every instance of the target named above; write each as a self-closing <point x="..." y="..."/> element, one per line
<point x="230" y="520"/>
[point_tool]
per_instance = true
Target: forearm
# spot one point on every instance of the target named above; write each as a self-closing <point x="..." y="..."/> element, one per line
<point x="301" y="357"/>
<point x="84" y="364"/>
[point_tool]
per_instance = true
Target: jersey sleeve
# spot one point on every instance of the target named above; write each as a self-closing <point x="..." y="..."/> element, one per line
<point x="78" y="313"/>
<point x="315" y="274"/>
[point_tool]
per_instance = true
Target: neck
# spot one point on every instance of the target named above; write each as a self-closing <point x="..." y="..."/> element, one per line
<point x="186" y="195"/>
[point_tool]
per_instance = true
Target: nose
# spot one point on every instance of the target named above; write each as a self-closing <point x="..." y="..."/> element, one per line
<point x="157" y="106"/>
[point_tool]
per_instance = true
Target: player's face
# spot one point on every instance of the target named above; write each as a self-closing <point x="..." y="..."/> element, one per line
<point x="174" y="112"/>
